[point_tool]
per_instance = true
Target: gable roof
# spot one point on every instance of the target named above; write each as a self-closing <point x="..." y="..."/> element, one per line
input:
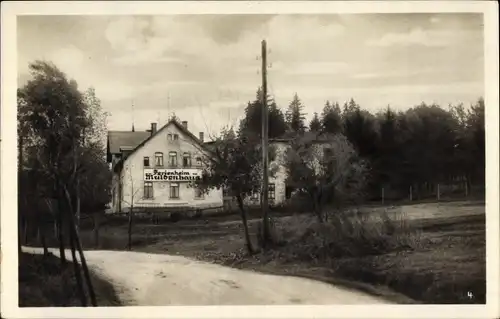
<point x="149" y="136"/>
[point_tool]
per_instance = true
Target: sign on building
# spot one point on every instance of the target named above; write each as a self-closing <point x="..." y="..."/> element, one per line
<point x="171" y="175"/>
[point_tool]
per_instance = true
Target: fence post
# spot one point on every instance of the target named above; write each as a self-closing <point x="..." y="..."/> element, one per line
<point x="438" y="194"/>
<point x="382" y="196"/>
<point x="411" y="194"/>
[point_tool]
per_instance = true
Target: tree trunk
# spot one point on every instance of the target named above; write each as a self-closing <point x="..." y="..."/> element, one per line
<point x="248" y="241"/>
<point x="76" y="267"/>
<point x="77" y="204"/>
<point x="60" y="225"/>
<point x="316" y="208"/>
<point x="60" y="236"/>
<point x="130" y="213"/>
<point x="41" y="231"/>
<point x="266" y="236"/>
<point x="74" y="233"/>
<point x="97" y="225"/>
<point x="85" y="268"/>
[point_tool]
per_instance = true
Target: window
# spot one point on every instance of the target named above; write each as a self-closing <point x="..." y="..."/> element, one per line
<point x="255" y="195"/>
<point x="146" y="161"/>
<point x="169" y="137"/>
<point x="186" y="160"/>
<point x="288" y="192"/>
<point x="198" y="193"/>
<point x="176" y="137"/>
<point x="199" y="162"/>
<point x="174" y="190"/>
<point x="272" y="191"/>
<point x="148" y="189"/>
<point x="172" y="159"/>
<point x="158" y="159"/>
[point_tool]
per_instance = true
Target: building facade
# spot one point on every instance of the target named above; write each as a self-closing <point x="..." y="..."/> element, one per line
<point x="278" y="191"/>
<point x="152" y="170"/>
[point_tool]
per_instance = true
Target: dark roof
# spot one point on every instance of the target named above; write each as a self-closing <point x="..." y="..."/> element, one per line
<point x="117" y="139"/>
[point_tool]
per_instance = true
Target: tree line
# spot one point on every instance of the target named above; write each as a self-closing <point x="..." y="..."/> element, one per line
<point x="420" y="147"/>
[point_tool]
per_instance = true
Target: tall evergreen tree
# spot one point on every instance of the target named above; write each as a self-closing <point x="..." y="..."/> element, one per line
<point x="388" y="156"/>
<point x="252" y="122"/>
<point x="359" y="128"/>
<point x="315" y="124"/>
<point x="331" y="118"/>
<point x="295" y="117"/>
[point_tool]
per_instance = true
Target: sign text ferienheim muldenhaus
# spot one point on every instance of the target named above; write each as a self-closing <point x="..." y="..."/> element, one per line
<point x="171" y="175"/>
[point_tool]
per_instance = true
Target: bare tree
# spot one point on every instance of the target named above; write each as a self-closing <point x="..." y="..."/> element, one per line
<point x="132" y="197"/>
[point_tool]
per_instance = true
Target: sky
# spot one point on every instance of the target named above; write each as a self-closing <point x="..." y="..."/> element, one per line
<point x="205" y="68"/>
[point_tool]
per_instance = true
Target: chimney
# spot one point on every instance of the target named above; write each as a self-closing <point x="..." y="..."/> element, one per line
<point x="185" y="124"/>
<point x="153" y="128"/>
<point x="201" y="136"/>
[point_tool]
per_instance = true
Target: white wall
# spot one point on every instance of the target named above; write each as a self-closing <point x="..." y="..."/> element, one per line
<point x="132" y="175"/>
<point x="279" y="176"/>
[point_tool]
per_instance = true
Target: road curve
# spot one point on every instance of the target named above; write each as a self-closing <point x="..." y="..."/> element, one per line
<point x="143" y="279"/>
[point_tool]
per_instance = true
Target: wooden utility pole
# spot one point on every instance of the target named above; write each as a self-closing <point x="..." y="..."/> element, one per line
<point x="132" y="107"/>
<point x="265" y="150"/>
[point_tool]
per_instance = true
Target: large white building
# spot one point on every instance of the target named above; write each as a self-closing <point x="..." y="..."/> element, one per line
<point x="152" y="169"/>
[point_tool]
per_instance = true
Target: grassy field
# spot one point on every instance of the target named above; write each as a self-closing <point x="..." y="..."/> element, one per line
<point x="42" y="283"/>
<point x="447" y="265"/>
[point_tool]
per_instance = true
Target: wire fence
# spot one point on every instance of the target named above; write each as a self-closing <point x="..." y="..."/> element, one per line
<point x="429" y="192"/>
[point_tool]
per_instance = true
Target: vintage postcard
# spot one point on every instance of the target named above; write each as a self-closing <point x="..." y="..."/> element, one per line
<point x="226" y="159"/>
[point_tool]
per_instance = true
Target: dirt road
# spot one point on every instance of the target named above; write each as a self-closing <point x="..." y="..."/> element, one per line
<point x="143" y="279"/>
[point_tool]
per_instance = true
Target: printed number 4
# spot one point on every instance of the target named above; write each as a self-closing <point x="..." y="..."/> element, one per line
<point x="470" y="295"/>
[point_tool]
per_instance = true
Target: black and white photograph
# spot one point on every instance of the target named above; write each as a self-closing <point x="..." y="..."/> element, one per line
<point x="262" y="158"/>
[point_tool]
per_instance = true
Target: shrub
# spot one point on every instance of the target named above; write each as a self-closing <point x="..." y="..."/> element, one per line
<point x="198" y="213"/>
<point x="175" y="217"/>
<point x="348" y="234"/>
